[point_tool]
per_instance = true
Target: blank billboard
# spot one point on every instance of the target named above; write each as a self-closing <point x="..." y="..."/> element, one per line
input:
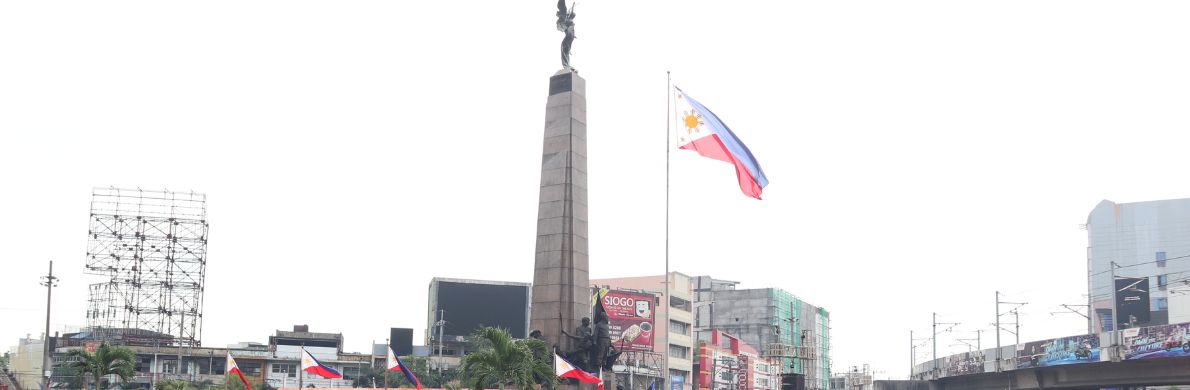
<point x="468" y="306"/>
<point x="401" y="340"/>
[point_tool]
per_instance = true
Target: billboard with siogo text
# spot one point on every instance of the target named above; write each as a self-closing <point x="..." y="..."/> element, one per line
<point x="630" y="319"/>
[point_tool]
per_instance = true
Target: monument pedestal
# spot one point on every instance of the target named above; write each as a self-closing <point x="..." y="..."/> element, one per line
<point x="561" y="292"/>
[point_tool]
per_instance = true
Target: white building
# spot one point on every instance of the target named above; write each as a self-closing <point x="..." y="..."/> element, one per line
<point x="1145" y="240"/>
<point x="26" y="360"/>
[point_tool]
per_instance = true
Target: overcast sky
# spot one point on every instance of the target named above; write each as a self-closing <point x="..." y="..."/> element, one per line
<point x="921" y="154"/>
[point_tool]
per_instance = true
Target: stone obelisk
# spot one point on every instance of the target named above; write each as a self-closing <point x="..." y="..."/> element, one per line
<point x="561" y="296"/>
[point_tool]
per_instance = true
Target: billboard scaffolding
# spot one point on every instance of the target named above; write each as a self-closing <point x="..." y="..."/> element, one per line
<point x="151" y="249"/>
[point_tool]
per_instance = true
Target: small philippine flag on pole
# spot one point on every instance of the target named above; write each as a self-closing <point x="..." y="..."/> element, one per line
<point x="701" y="131"/>
<point x="313" y="366"/>
<point x="233" y="368"/>
<point x="564" y="369"/>
<point x="395" y="364"/>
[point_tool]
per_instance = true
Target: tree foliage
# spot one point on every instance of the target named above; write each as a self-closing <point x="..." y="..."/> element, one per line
<point x="107" y="360"/>
<point x="233" y="382"/>
<point x="498" y="358"/>
<point x="175" y="384"/>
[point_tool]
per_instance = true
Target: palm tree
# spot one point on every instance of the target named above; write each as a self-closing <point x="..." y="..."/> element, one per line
<point x="507" y="362"/>
<point x="107" y="360"/>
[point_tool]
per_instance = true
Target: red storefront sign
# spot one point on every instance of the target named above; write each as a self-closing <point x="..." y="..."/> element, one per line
<point x="630" y="319"/>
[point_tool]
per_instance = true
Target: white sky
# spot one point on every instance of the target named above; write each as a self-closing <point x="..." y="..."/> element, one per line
<point x="922" y="154"/>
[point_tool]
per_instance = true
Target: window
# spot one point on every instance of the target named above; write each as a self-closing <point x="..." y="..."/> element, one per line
<point x="169" y="366"/>
<point x="679" y="351"/>
<point x="249" y="367"/>
<point x="1162" y="280"/>
<point x="679" y="303"/>
<point x="285" y="368"/>
<point x="1105" y="319"/>
<point x="679" y="327"/>
<point x="350" y="373"/>
<point x="1160" y="259"/>
<point x="1160" y="304"/>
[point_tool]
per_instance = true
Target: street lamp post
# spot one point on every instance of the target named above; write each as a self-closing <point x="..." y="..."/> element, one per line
<point x="49" y="281"/>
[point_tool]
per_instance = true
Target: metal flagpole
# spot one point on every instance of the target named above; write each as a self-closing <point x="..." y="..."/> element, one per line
<point x="668" y="133"/>
<point x="387" y="364"/>
<point x="301" y="372"/>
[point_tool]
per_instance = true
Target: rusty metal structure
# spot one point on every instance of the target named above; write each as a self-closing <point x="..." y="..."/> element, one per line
<point x="150" y="247"/>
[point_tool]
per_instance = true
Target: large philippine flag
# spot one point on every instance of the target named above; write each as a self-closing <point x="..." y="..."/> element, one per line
<point x="701" y="131"/>
<point x="566" y="370"/>
<point x="233" y="368"/>
<point x="395" y="363"/>
<point x="313" y="366"/>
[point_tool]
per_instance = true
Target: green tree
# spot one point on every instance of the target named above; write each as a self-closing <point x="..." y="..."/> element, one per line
<point x="233" y="382"/>
<point x="171" y="385"/>
<point x="498" y="358"/>
<point x="396" y="379"/>
<point x="69" y="376"/>
<point x="107" y="360"/>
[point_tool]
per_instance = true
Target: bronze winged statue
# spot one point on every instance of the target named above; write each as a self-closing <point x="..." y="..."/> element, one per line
<point x="566" y="25"/>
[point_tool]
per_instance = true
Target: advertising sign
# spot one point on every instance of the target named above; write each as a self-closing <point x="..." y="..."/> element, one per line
<point x="965" y="363"/>
<point x="630" y="319"/>
<point x="1132" y="301"/>
<point x="1054" y="352"/>
<point x="1157" y="342"/>
<point x="744" y="375"/>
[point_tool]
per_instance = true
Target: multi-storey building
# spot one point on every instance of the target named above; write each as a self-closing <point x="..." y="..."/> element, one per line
<point x="728" y="363"/>
<point x="672" y="342"/>
<point x="778" y="323"/>
<point x="1149" y="242"/>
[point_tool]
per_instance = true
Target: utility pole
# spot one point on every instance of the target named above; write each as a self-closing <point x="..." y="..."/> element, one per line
<point x="913" y="353"/>
<point x="1017" y="319"/>
<point x="1115" y="320"/>
<point x="935" y="325"/>
<point x="998" y="328"/>
<point x="49" y="281"/>
<point x="441" y="324"/>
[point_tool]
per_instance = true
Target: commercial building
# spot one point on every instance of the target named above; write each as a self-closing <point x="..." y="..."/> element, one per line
<point x="728" y="363"/>
<point x="26" y="360"/>
<point x="667" y="344"/>
<point x="1149" y="242"/>
<point x="276" y="363"/>
<point x="458" y="307"/>
<point x="776" y="322"/>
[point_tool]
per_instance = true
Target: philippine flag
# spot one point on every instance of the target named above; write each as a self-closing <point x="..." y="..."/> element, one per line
<point x="313" y="366"/>
<point x="233" y="368"/>
<point x="395" y="363"/>
<point x="701" y="131"/>
<point x="566" y="370"/>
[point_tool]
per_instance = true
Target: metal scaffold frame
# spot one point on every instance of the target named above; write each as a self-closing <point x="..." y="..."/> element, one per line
<point x="151" y="248"/>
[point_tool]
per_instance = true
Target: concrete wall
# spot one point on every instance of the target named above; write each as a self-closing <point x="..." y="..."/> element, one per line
<point x="901" y="385"/>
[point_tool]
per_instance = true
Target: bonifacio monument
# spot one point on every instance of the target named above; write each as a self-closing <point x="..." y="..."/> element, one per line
<point x="561" y="293"/>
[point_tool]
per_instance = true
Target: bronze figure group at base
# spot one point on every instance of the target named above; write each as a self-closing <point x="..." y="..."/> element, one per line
<point x="593" y="346"/>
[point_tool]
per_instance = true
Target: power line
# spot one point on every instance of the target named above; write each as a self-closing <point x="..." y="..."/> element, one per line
<point x="1139" y="264"/>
